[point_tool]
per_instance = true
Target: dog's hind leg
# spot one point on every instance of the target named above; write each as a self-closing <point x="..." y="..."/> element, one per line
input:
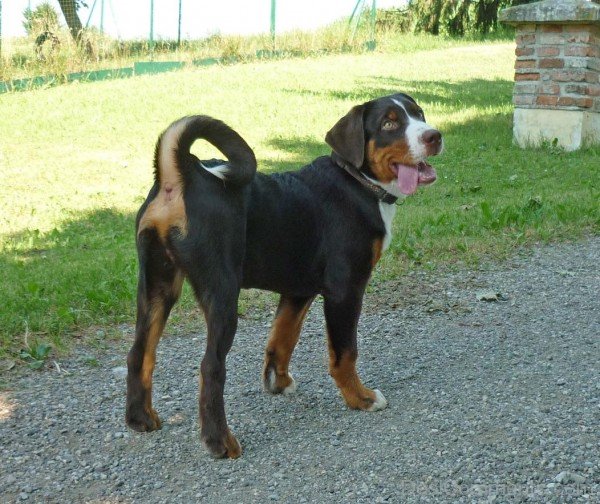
<point x="341" y="317"/>
<point x="159" y="287"/>
<point x="282" y="341"/>
<point x="218" y="297"/>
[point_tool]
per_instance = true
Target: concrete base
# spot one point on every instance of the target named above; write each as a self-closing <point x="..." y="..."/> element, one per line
<point x="572" y="129"/>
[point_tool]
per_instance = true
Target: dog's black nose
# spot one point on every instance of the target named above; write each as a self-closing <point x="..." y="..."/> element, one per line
<point x="431" y="137"/>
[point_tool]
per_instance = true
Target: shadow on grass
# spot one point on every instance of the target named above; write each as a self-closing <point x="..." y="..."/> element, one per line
<point x="299" y="151"/>
<point x="486" y="127"/>
<point x="82" y="273"/>
<point x="453" y="95"/>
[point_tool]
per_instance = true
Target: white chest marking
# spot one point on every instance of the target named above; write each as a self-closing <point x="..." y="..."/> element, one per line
<point x="387" y="212"/>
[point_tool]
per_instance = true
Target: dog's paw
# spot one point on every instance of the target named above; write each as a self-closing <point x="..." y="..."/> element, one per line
<point x="279" y="384"/>
<point x="364" y="399"/>
<point x="142" y="420"/>
<point x="226" y="446"/>
<point x="379" y="403"/>
<point x="291" y="388"/>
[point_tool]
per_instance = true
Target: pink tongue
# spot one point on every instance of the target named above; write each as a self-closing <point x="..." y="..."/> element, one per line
<point x="408" y="179"/>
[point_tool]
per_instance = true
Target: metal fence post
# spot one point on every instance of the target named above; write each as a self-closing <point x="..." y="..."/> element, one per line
<point x="355" y="10"/>
<point x="371" y="43"/>
<point x="355" y="21"/>
<point x="179" y="26"/>
<point x="273" y="16"/>
<point x="355" y="18"/>
<point x="151" y="27"/>
<point x="102" y="17"/>
<point x="87" y="24"/>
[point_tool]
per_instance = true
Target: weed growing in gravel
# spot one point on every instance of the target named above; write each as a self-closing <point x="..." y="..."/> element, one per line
<point x="35" y="354"/>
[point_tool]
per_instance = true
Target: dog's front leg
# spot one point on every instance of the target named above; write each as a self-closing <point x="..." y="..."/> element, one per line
<point x="221" y="321"/>
<point x="341" y="316"/>
<point x="283" y="338"/>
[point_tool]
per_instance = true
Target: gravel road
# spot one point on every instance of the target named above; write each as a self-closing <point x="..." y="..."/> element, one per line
<point x="493" y="400"/>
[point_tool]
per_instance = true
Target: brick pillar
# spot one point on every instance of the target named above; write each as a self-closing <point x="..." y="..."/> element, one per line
<point x="557" y="72"/>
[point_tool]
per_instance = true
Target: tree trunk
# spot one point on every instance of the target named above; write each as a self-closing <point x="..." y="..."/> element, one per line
<point x="69" y="9"/>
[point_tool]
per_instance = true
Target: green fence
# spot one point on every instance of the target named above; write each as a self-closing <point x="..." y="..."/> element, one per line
<point x="95" y="22"/>
<point x="78" y="15"/>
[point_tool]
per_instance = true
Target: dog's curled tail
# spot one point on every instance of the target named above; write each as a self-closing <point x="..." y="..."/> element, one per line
<point x="173" y="161"/>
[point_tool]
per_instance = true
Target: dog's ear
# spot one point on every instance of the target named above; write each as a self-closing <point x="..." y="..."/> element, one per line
<point x="347" y="137"/>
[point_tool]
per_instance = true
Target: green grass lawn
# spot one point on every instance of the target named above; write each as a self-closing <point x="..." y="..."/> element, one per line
<point x="76" y="164"/>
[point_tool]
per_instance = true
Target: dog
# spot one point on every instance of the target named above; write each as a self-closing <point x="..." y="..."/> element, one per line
<point x="316" y="231"/>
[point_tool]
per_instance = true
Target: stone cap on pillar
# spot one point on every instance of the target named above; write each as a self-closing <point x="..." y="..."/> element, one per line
<point x="553" y="11"/>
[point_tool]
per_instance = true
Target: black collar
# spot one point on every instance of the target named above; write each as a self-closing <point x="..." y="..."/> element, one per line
<point x="379" y="192"/>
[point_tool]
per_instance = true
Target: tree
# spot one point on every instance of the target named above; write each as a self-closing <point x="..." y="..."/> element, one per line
<point x="41" y="19"/>
<point x="42" y="23"/>
<point x="457" y="17"/>
<point x="69" y="9"/>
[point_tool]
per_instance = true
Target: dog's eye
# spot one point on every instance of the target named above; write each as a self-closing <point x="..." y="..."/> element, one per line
<point x="389" y="125"/>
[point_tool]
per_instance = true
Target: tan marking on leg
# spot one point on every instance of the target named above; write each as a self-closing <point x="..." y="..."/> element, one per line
<point x="377" y="248"/>
<point x="283" y="338"/>
<point x="343" y="371"/>
<point x="157" y="324"/>
<point x="234" y="449"/>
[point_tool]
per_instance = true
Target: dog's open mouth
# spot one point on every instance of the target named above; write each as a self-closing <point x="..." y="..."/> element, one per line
<point x="411" y="176"/>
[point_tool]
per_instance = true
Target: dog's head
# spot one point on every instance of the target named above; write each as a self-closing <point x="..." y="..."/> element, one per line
<point x="389" y="141"/>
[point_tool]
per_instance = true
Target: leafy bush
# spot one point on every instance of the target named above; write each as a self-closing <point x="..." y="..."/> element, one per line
<point x="43" y="18"/>
<point x="458" y="17"/>
<point x="397" y="20"/>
